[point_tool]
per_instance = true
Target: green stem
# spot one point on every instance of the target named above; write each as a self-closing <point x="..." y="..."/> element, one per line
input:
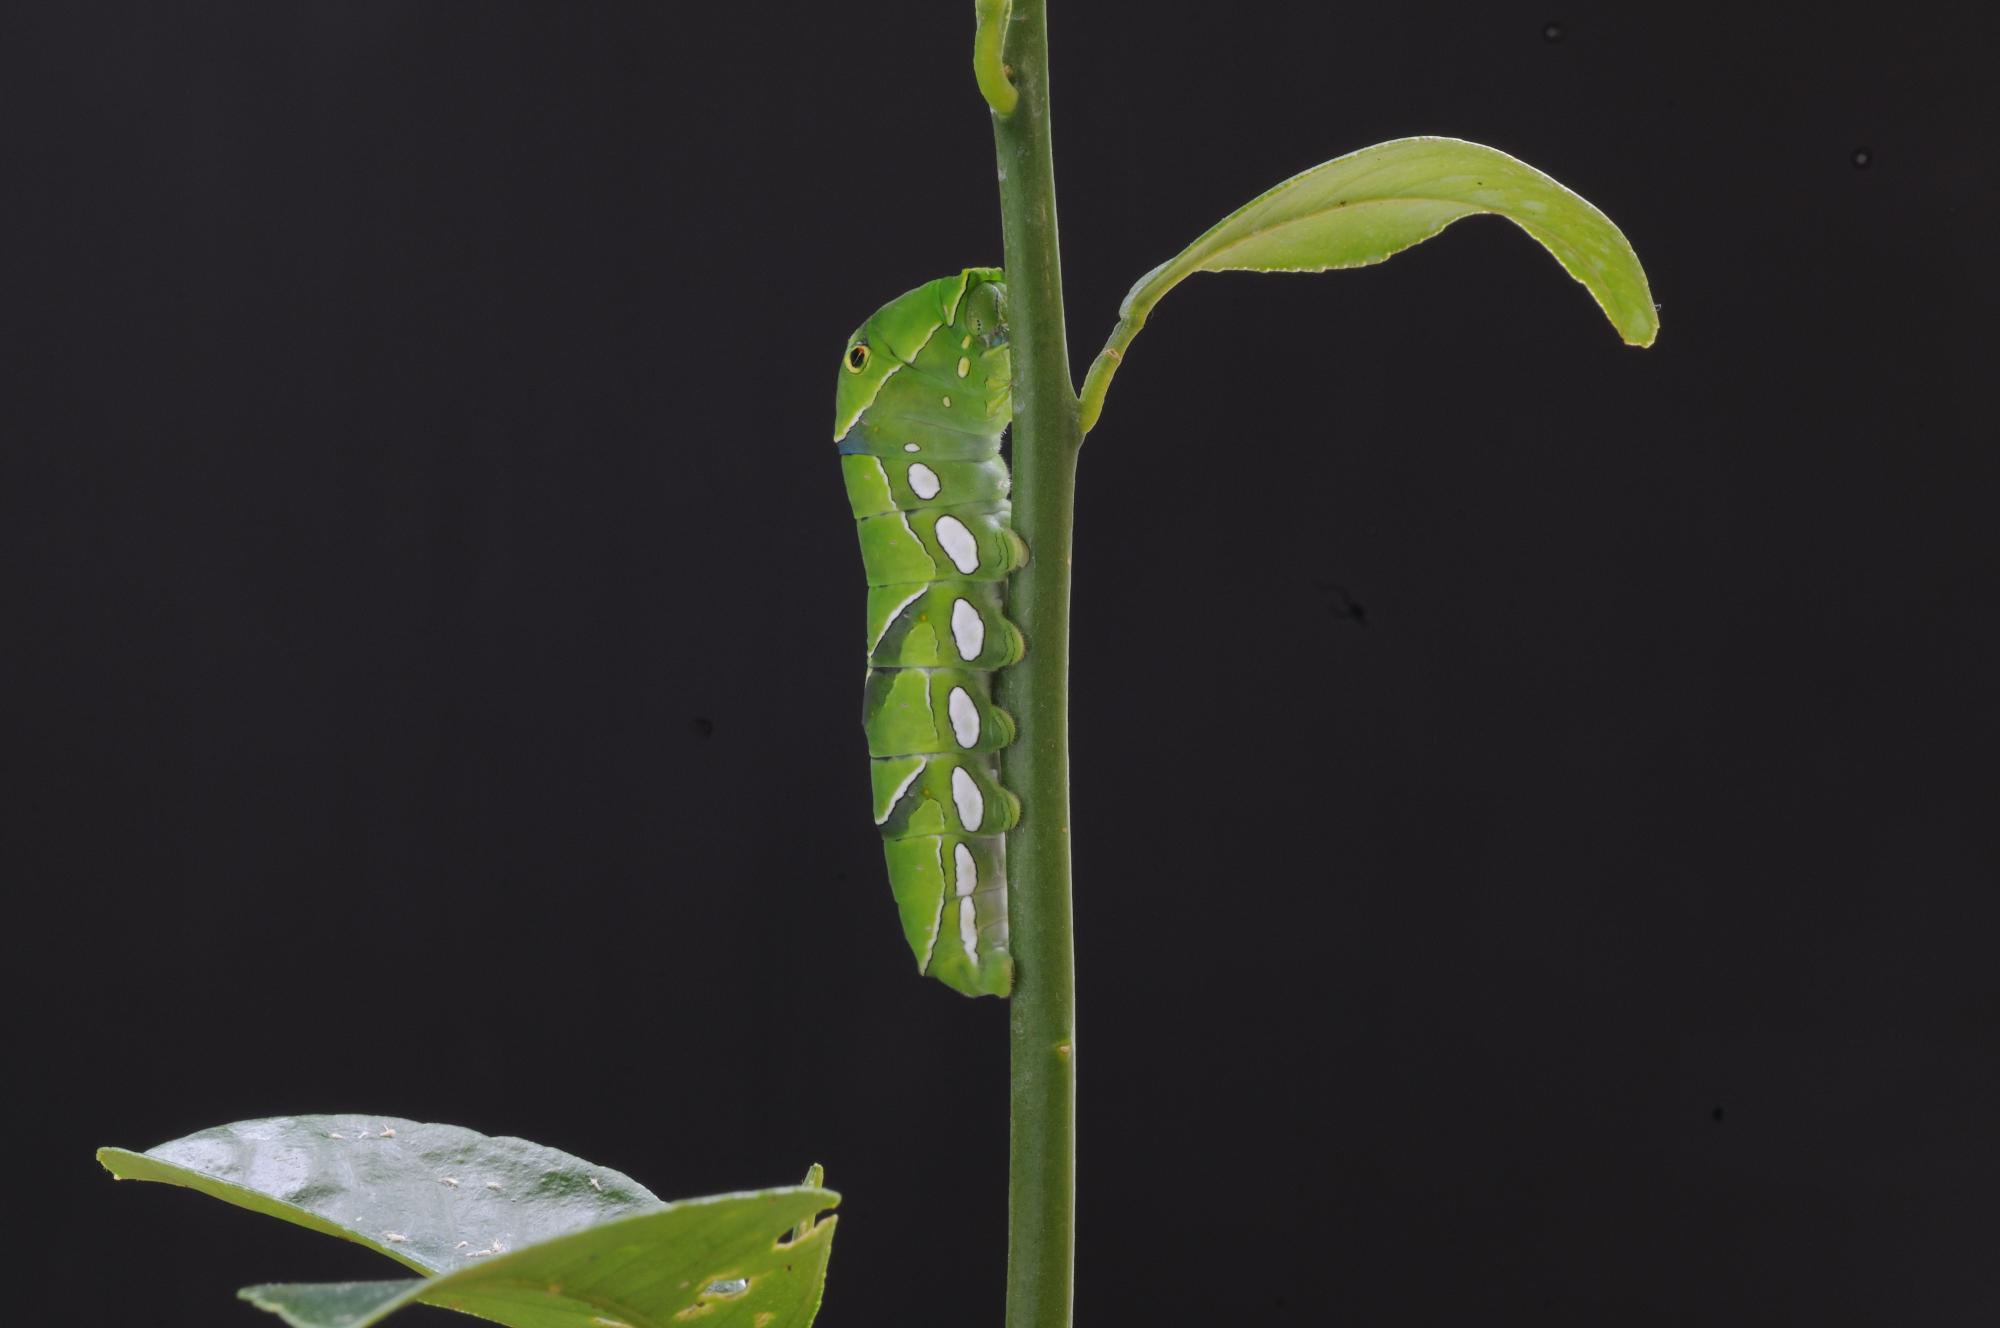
<point x="1041" y="1209"/>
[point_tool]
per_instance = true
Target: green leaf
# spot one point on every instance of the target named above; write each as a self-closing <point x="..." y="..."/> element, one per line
<point x="989" y="63"/>
<point x="332" y="1304"/>
<point x="425" y="1195"/>
<point x="718" y="1261"/>
<point x="1369" y="205"/>
<point x="520" y="1234"/>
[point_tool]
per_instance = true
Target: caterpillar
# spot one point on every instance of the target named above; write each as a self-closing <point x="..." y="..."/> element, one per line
<point x="924" y="396"/>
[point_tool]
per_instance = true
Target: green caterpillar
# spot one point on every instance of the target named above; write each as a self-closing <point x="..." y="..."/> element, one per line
<point x="924" y="395"/>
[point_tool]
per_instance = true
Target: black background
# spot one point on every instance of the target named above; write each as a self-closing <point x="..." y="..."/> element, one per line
<point x="1535" y="799"/>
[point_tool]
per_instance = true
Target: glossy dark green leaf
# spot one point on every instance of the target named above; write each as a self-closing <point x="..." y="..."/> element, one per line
<point x="517" y="1233"/>
<point x="428" y="1196"/>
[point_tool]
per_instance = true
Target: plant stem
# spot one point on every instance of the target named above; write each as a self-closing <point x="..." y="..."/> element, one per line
<point x="1041" y="1208"/>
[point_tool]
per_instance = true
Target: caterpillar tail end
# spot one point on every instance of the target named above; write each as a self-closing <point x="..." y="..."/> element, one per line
<point x="994" y="975"/>
<point x="952" y="895"/>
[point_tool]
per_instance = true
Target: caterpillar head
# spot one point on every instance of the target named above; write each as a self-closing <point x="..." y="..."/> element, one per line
<point x="982" y="314"/>
<point x="933" y="330"/>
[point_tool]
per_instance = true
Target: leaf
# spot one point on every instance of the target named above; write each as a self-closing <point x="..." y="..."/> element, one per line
<point x="521" y="1234"/>
<point x="989" y="62"/>
<point x="332" y="1304"/>
<point x="1372" y="204"/>
<point x="715" y="1261"/>
<point x="425" y="1195"/>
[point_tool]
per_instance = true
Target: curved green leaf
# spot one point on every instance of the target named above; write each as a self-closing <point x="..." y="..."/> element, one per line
<point x="427" y="1196"/>
<point x="717" y="1260"/>
<point x="518" y="1233"/>
<point x="1369" y="205"/>
<point x="989" y="64"/>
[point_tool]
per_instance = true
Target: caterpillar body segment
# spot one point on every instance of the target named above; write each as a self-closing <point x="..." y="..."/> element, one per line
<point x="947" y="624"/>
<point x="923" y="399"/>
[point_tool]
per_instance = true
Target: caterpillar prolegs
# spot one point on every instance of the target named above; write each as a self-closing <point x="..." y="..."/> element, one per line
<point x="924" y="396"/>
